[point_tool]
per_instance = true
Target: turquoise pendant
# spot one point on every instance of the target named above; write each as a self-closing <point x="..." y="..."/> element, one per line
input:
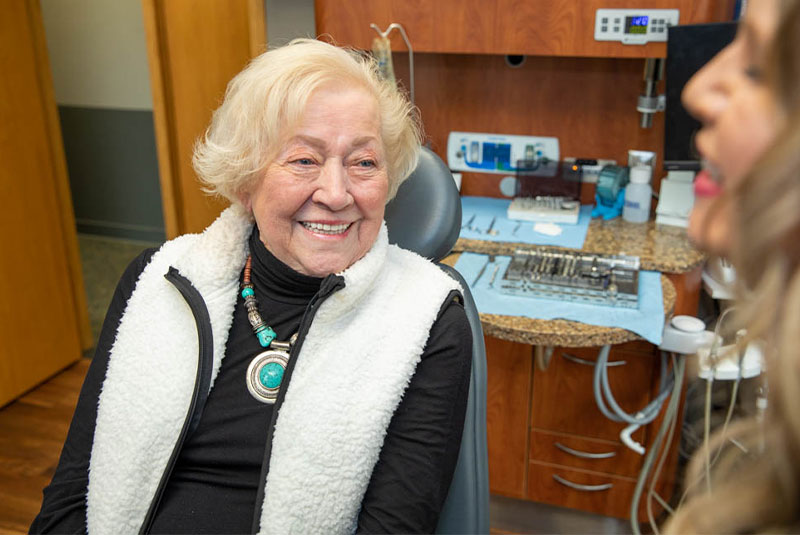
<point x="265" y="374"/>
<point x="271" y="375"/>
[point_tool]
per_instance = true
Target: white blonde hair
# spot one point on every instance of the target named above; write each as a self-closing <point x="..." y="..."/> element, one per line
<point x="265" y="101"/>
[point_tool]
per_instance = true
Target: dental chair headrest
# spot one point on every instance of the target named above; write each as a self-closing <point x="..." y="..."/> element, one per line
<point x="425" y="215"/>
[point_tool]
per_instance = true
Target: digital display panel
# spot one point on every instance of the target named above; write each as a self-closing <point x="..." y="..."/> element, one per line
<point x="636" y="24"/>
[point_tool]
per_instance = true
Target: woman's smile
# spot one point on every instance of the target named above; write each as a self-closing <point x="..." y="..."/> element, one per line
<point x="326" y="229"/>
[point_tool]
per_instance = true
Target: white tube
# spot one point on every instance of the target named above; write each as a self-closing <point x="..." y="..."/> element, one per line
<point x="625" y="436"/>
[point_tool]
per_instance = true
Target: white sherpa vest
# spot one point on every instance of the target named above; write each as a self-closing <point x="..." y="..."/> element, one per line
<point x="355" y="363"/>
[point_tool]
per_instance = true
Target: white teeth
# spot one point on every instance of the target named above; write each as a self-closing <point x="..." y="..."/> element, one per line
<point x="323" y="228"/>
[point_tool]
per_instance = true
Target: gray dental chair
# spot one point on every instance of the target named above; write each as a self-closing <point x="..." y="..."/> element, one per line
<point x="425" y="217"/>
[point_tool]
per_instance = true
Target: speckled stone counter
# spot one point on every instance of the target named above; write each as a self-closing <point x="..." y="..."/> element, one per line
<point x="659" y="247"/>
<point x="563" y="333"/>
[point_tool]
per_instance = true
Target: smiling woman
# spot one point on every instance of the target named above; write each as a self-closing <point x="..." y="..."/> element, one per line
<point x="327" y="397"/>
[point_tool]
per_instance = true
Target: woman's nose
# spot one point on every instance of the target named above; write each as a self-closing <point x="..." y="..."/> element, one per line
<point x="706" y="94"/>
<point x="333" y="188"/>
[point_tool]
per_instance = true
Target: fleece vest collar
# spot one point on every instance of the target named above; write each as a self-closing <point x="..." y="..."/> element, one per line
<point x="354" y="365"/>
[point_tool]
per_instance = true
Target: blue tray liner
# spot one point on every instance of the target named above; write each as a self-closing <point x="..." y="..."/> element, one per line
<point x="647" y="320"/>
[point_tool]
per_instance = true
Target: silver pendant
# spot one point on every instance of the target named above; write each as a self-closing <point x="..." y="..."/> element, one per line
<point x="265" y="372"/>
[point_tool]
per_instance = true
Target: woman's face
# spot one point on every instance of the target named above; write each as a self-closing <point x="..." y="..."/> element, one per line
<point x="739" y="118"/>
<point x="320" y="204"/>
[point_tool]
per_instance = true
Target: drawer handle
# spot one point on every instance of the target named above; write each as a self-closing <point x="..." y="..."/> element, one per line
<point x="587" y="488"/>
<point x="578" y="360"/>
<point x="584" y="454"/>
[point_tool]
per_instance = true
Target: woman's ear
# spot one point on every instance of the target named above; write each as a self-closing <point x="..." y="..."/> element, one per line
<point x="244" y="199"/>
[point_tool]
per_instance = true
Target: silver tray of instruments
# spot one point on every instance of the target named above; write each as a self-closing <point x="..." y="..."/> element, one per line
<point x="573" y="276"/>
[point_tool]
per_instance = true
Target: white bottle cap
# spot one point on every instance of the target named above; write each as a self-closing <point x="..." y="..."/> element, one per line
<point x="640" y="174"/>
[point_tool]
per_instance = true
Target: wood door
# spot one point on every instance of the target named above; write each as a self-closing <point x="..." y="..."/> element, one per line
<point x="194" y="48"/>
<point x="43" y="314"/>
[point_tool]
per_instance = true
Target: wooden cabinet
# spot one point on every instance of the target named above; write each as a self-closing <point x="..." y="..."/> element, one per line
<point x="532" y="27"/>
<point x="43" y="314"/>
<point x="548" y="441"/>
<point x="576" y="456"/>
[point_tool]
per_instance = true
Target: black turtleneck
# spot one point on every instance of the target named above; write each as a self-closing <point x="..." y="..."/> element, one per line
<point x="214" y="485"/>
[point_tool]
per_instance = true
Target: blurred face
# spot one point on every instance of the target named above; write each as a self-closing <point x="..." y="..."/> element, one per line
<point x="740" y="119"/>
<point x="320" y="204"/>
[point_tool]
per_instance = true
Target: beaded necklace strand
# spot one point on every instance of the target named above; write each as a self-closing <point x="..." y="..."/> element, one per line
<point x="264" y="332"/>
<point x="265" y="372"/>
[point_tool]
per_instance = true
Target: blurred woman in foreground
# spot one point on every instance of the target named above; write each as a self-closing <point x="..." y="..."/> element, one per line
<point x="748" y="209"/>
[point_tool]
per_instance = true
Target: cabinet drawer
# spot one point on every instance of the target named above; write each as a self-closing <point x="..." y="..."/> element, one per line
<point x="584" y="453"/>
<point x="563" y="398"/>
<point x="578" y="489"/>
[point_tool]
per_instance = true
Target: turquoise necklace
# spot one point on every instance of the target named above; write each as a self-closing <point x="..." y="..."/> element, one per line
<point x="265" y="372"/>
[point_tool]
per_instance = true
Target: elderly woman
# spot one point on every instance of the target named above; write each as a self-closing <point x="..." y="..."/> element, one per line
<point x="333" y="369"/>
<point x="748" y="209"/>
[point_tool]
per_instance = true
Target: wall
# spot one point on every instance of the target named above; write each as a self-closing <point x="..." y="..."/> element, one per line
<point x="589" y="104"/>
<point x="99" y="63"/>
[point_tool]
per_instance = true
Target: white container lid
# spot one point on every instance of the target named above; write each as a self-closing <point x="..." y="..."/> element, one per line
<point x="640" y="174"/>
<point x="688" y="324"/>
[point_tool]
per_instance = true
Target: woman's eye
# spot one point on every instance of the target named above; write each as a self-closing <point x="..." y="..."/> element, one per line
<point x="366" y="163"/>
<point x="303" y="161"/>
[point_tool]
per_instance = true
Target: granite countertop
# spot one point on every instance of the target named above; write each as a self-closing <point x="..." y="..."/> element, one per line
<point x="563" y="333"/>
<point x="661" y="248"/>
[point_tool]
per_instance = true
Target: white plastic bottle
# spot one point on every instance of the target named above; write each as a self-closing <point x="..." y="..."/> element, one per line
<point x="637" y="195"/>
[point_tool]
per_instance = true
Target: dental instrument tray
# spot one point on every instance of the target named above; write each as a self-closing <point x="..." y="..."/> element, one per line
<point x="583" y="277"/>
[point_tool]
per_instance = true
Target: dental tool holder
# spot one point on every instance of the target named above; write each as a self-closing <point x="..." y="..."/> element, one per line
<point x="589" y="278"/>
